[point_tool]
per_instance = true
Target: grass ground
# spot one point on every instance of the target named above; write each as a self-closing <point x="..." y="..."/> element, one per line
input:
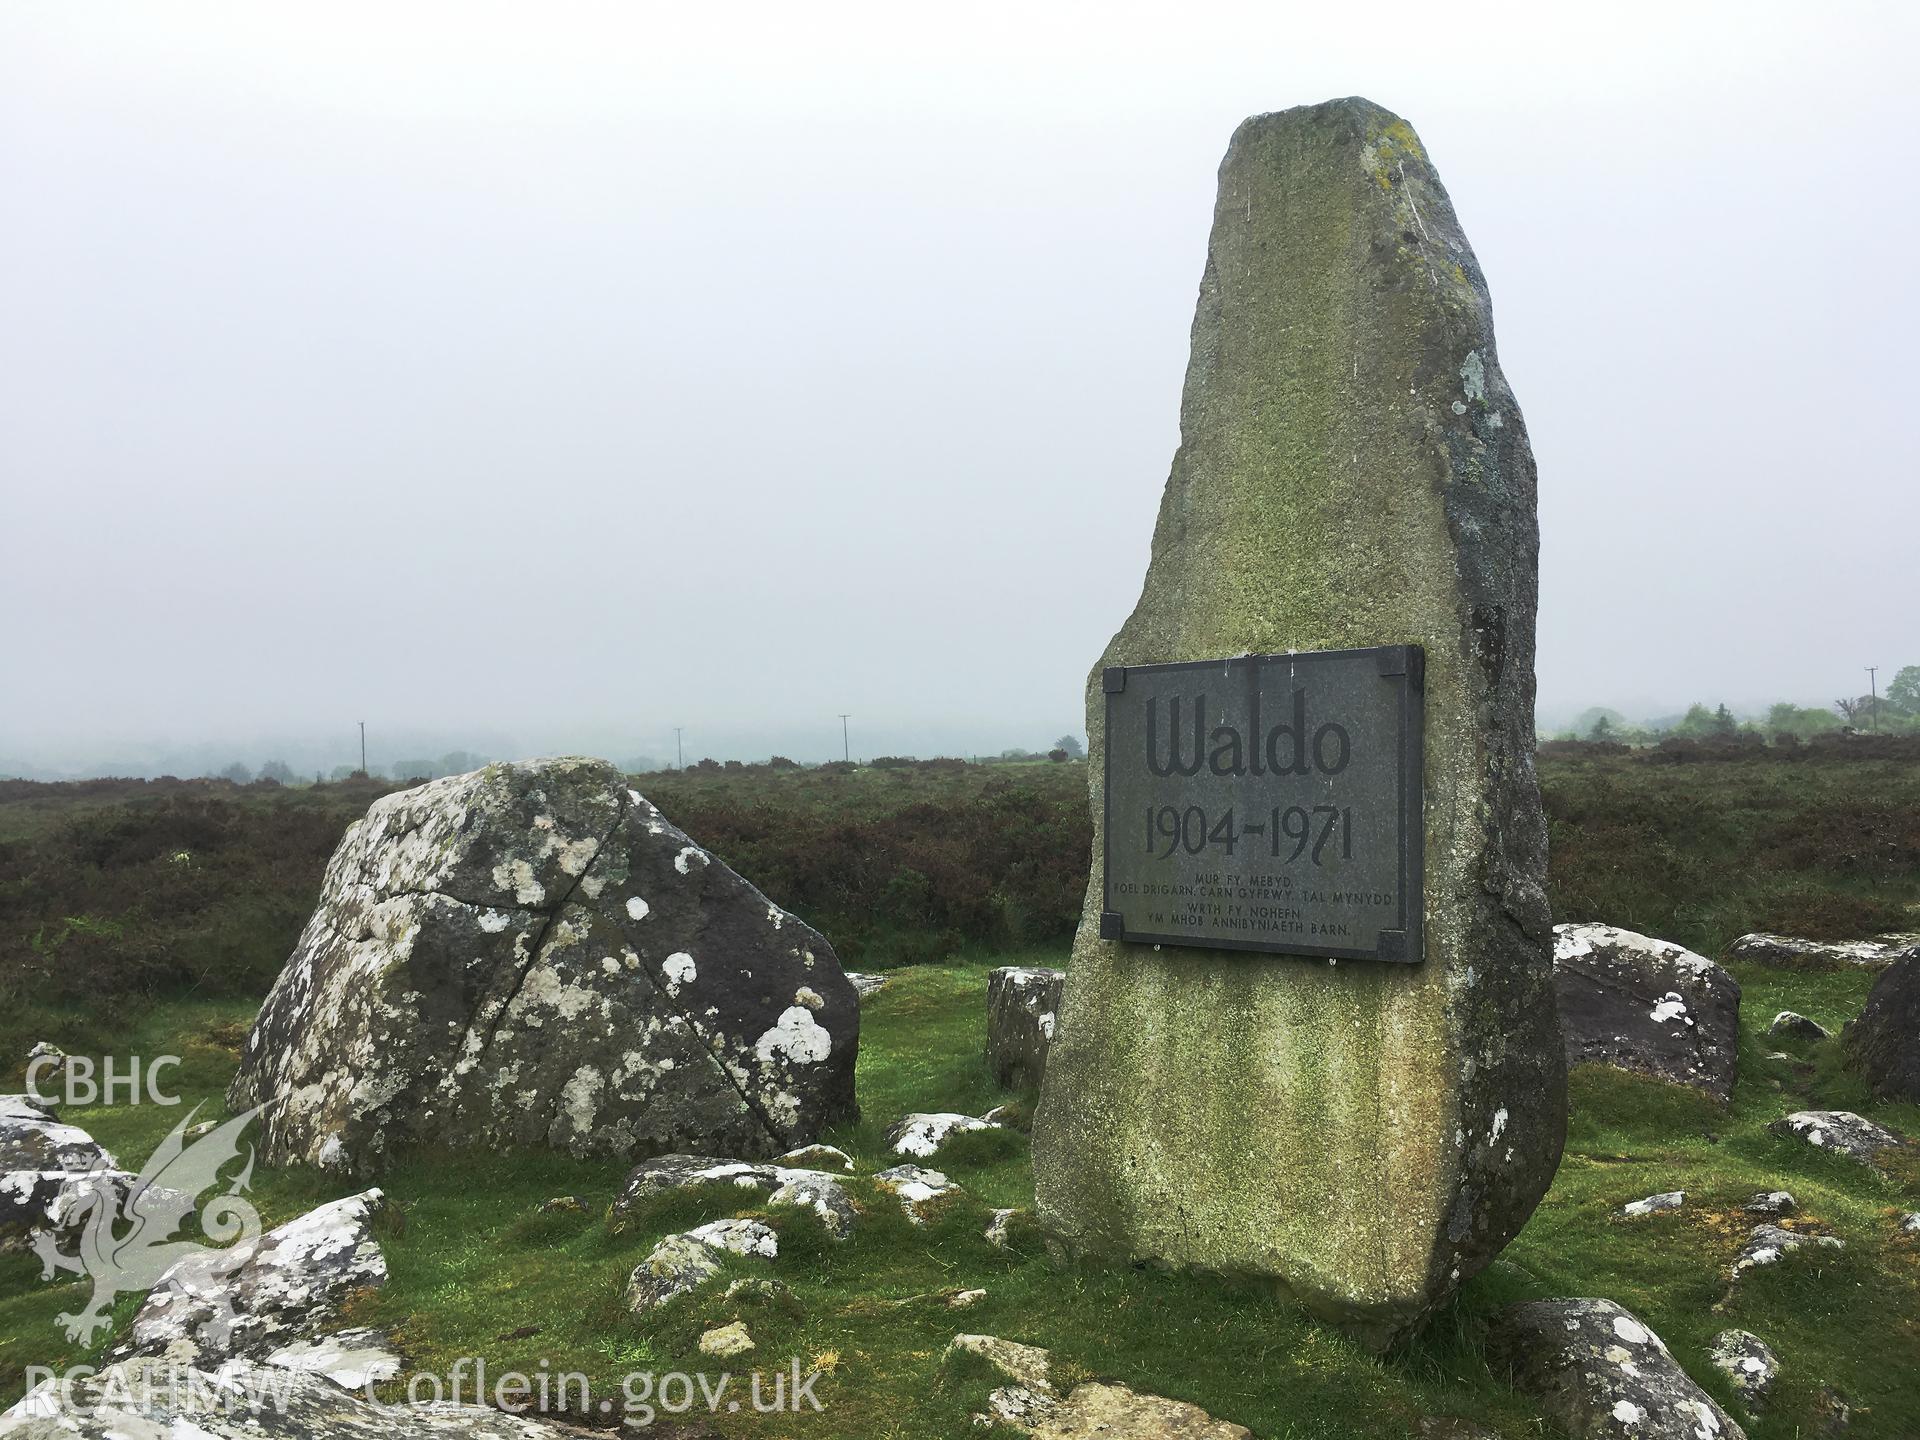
<point x="477" y="1271"/>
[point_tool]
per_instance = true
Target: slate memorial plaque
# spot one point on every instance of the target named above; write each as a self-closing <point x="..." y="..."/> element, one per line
<point x="1267" y="802"/>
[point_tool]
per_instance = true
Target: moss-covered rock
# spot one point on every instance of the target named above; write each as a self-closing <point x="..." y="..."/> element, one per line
<point x="1353" y="471"/>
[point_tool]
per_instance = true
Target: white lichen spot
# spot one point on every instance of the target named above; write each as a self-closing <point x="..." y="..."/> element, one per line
<point x="1499" y="1125"/>
<point x="1630" y="1330"/>
<point x="637" y="908"/>
<point x="1627" y="1413"/>
<point x="679" y="967"/>
<point x="517" y="876"/>
<point x="1046" y="1024"/>
<point x="1473" y="375"/>
<point x="795" y="1036"/>
<point x="1670" y="1008"/>
<point x="494" y="921"/>
<point x="610" y="965"/>
<point x="581" y="1096"/>
<point x="777" y="916"/>
<point x="806" y="995"/>
<point x="683" y="862"/>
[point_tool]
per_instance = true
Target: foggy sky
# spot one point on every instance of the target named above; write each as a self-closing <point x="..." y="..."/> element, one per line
<point x="535" y="377"/>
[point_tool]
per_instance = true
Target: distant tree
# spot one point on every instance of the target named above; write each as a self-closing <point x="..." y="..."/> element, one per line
<point x="1723" y="721"/>
<point x="641" y="765"/>
<point x="415" y="770"/>
<point x="781" y="762"/>
<point x="459" y="762"/>
<point x="1071" y="744"/>
<point x="1904" y="691"/>
<point x="1798" y="721"/>
<point x="1584" y="722"/>
<point x="1602" y="729"/>
<point x="1849" y="708"/>
<point x="1696" y="724"/>
<point x="1057" y="755"/>
<point x="277" y="771"/>
<point x="238" y="773"/>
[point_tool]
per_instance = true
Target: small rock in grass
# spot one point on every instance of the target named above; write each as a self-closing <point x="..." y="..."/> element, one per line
<point x="1771" y="1202"/>
<point x="1666" y="1200"/>
<point x="922" y="1135"/>
<point x="1749" y="1365"/>
<point x="1791" y="1025"/>
<point x="726" y="1340"/>
<point x="1600" y="1372"/>
<point x="825" y="1197"/>
<point x="1832" y="1415"/>
<point x="1910" y="1223"/>
<point x="1031" y="1404"/>
<point x="965" y="1299"/>
<point x="818" y="1157"/>
<point x="1840" y="1131"/>
<point x="998" y="1234"/>
<point x="1768" y="1243"/>
<point x="665" y="1173"/>
<point x="564" y="1205"/>
<point x="683" y="1262"/>
<point x="917" y="1188"/>
<point x="759" y="1292"/>
<point x="865" y="985"/>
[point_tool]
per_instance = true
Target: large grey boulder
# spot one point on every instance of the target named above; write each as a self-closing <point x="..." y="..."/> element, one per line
<point x="1353" y="471"/>
<point x="531" y="955"/>
<point x="1023" y="1004"/>
<point x="260" y="1296"/>
<point x="151" y="1399"/>
<point x="47" y="1170"/>
<point x="1789" y="950"/>
<point x="1601" y="1373"/>
<point x="1646" y="1005"/>
<point x="1883" y="1044"/>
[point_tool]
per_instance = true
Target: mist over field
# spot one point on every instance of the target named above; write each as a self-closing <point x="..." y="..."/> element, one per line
<point x="530" y="384"/>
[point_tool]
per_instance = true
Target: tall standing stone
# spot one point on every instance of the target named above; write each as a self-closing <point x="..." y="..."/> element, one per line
<point x="1353" y="471"/>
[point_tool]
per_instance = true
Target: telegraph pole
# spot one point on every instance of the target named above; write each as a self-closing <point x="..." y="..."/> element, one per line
<point x="846" y="746"/>
<point x="679" y="751"/>
<point x="1873" y="691"/>
<point x="363" y="747"/>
